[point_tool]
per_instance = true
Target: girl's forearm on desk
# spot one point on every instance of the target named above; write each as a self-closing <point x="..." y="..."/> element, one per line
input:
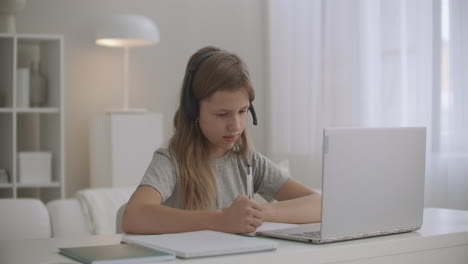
<point x="159" y="219"/>
<point x="306" y="209"/>
<point x="243" y="216"/>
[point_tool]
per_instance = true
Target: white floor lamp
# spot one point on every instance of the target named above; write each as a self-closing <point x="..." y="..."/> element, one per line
<point x="8" y="10"/>
<point x="126" y="31"/>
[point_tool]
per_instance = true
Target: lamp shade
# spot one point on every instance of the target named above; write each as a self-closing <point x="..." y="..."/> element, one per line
<point x="127" y="31"/>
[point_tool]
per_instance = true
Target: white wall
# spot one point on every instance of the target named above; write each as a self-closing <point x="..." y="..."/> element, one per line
<point x="93" y="73"/>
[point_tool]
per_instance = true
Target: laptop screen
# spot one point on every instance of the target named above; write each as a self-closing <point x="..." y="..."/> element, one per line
<point x="372" y="180"/>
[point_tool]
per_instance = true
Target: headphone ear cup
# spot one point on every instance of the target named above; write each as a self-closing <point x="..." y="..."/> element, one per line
<point x="192" y="108"/>
<point x="188" y="102"/>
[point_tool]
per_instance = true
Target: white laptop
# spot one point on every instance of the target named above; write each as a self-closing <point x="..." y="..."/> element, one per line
<point x="372" y="185"/>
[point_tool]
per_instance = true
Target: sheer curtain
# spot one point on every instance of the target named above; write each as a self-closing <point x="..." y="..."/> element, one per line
<point x="362" y="63"/>
<point x="451" y="152"/>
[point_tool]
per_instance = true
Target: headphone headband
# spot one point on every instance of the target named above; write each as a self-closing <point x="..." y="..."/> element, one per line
<point x="189" y="102"/>
<point x="194" y="65"/>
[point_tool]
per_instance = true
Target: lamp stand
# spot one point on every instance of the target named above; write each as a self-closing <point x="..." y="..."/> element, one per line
<point x="125" y="92"/>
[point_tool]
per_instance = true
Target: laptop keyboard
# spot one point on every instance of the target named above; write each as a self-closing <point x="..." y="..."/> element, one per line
<point x="307" y="234"/>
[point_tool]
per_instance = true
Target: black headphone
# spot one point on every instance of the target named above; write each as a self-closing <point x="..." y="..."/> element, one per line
<point x="188" y="103"/>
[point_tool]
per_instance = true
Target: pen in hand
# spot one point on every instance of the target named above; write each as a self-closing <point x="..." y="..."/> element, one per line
<point x="249" y="182"/>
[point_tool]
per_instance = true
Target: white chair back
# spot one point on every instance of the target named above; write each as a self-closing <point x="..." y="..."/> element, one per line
<point x="118" y="219"/>
<point x="67" y="218"/>
<point x="23" y="219"/>
<point x="100" y="206"/>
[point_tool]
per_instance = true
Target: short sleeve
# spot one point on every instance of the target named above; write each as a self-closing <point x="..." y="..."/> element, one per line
<point x="161" y="174"/>
<point x="268" y="177"/>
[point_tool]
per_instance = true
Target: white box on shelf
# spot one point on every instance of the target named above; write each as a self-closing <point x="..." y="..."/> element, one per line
<point x="35" y="167"/>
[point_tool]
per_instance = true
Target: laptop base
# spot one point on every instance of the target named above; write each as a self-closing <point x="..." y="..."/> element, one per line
<point x="293" y="234"/>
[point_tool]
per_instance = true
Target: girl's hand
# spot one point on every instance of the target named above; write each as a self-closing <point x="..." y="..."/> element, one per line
<point x="243" y="216"/>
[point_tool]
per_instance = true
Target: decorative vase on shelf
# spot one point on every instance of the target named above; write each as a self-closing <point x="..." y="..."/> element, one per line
<point x="37" y="86"/>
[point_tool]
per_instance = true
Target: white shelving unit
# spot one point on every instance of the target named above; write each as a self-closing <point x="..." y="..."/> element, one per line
<point x="31" y="128"/>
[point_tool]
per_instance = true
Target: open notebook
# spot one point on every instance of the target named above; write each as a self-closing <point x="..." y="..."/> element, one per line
<point x="201" y="243"/>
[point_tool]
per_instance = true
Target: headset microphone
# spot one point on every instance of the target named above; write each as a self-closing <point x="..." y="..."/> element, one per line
<point x="254" y="115"/>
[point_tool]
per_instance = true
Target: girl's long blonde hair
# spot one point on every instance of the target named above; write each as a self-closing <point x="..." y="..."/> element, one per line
<point x="221" y="71"/>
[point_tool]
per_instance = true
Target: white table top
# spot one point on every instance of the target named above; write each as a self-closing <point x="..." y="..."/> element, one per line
<point x="442" y="228"/>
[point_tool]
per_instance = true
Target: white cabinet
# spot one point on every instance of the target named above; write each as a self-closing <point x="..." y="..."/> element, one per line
<point x="121" y="147"/>
<point x="26" y="127"/>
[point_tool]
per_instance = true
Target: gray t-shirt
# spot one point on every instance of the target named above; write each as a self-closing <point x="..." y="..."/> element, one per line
<point x="230" y="173"/>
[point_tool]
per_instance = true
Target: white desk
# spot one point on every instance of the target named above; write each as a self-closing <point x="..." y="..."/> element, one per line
<point x="442" y="239"/>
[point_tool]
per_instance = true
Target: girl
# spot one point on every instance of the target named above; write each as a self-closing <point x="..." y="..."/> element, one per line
<point x="201" y="180"/>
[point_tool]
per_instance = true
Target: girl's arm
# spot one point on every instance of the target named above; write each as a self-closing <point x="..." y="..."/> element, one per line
<point x="296" y="204"/>
<point x="144" y="214"/>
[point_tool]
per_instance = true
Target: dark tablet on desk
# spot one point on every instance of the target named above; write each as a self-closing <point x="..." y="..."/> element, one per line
<point x="118" y="253"/>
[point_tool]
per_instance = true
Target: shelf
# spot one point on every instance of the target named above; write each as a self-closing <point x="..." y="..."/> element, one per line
<point x="38" y="185"/>
<point x="40" y="110"/>
<point x="38" y="37"/>
<point x="39" y="127"/>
